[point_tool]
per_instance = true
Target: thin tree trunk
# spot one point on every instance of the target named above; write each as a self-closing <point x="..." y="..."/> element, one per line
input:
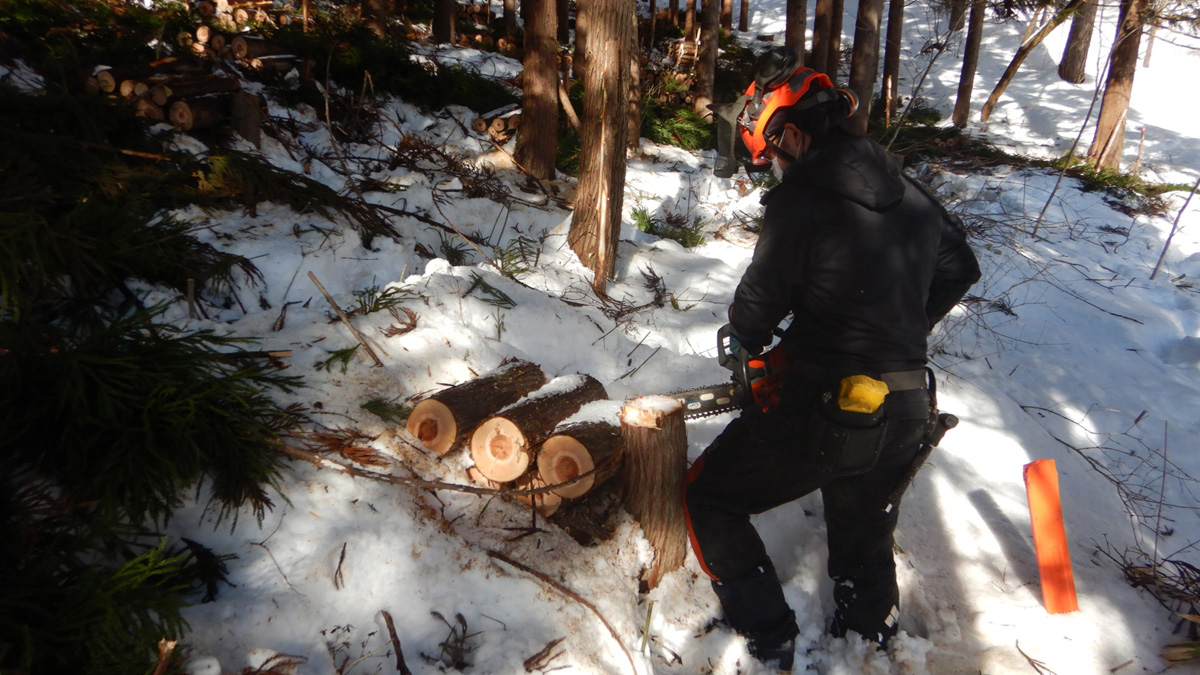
<point x="509" y="17"/>
<point x="656" y="461"/>
<point x="689" y="20"/>
<point x="822" y="21"/>
<point x="744" y="17"/>
<point x="444" y="12"/>
<point x="446" y="419"/>
<point x="1109" y="142"/>
<point x="1073" y="67"/>
<point x="891" y="59"/>
<point x="650" y="24"/>
<point x="1024" y="52"/>
<point x="864" y="62"/>
<point x="966" y="80"/>
<point x="706" y="57"/>
<point x="563" y="7"/>
<point x="673" y="10"/>
<point x="634" y="50"/>
<point x="579" y="63"/>
<point x="1150" y="43"/>
<point x="726" y="15"/>
<point x="834" y="59"/>
<point x="958" y="14"/>
<point x="536" y="146"/>
<point x="376" y="14"/>
<point x="796" y="24"/>
<point x="596" y="222"/>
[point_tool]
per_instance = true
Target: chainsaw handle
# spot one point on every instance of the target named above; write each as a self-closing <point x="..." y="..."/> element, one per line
<point x="738" y="363"/>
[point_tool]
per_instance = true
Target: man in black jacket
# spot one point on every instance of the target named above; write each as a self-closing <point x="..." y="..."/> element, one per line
<point x="867" y="262"/>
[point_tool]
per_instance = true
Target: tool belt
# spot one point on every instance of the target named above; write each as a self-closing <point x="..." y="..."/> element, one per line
<point x="846" y="428"/>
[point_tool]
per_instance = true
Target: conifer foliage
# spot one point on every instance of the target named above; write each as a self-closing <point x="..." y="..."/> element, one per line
<point x="110" y="418"/>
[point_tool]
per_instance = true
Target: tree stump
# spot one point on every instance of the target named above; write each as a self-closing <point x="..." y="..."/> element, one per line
<point x="655" y="463"/>
<point x="577" y="448"/>
<point x="502" y="447"/>
<point x="445" y="420"/>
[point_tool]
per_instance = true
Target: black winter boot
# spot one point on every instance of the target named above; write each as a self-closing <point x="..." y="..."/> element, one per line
<point x="755" y="608"/>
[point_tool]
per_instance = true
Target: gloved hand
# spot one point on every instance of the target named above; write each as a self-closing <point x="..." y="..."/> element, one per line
<point x="733" y="349"/>
<point x="738" y="344"/>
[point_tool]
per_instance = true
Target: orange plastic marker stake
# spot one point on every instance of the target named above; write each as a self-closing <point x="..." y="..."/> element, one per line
<point x="1050" y="537"/>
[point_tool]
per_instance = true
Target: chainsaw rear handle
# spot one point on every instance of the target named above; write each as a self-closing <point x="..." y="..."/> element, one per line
<point x="738" y="363"/>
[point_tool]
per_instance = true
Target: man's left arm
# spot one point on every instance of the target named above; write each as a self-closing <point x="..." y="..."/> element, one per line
<point x="763" y="296"/>
<point x="957" y="270"/>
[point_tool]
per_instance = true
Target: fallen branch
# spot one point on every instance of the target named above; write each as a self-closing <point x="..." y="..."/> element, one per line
<point x="401" y="666"/>
<point x="346" y="320"/>
<point x="570" y="594"/>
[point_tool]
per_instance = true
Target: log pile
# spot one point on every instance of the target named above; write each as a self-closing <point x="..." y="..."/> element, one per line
<point x="683" y="54"/>
<point x="237" y="14"/>
<point x="514" y="425"/>
<point x="499" y="124"/>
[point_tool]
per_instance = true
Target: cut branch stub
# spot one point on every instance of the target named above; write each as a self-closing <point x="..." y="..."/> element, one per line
<point x="445" y="420"/>
<point x="655" y="463"/>
<point x="575" y="449"/>
<point x="502" y="447"/>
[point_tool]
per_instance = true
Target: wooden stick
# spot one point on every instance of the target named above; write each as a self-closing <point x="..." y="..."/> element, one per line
<point x="1050" y="537"/>
<point x="568" y="108"/>
<point x="401" y="666"/>
<point x="346" y="320"/>
<point x="165" y="649"/>
<point x="570" y="594"/>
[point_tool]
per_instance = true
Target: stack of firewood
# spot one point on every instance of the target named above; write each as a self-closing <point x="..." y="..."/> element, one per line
<point x="500" y="124"/>
<point x="677" y="88"/>
<point x="512" y="423"/>
<point x="236" y="14"/>
<point x="683" y="53"/>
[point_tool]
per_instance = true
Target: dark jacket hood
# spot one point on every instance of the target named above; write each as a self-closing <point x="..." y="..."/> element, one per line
<point x="853" y="167"/>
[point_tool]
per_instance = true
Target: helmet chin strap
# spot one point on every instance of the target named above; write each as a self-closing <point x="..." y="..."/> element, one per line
<point x="780" y="152"/>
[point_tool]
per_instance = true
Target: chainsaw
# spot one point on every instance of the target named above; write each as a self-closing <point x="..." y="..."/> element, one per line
<point x="755" y="381"/>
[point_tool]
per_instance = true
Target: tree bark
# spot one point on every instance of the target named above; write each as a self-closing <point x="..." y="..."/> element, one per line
<point x="376" y="14"/>
<point x="822" y="22"/>
<point x="1026" y="49"/>
<point x="245" y="113"/>
<point x="958" y="14"/>
<point x="634" y="136"/>
<point x="1073" y="67"/>
<point x="503" y="445"/>
<point x="446" y="419"/>
<point x="1109" y="142"/>
<point x="834" y="59"/>
<point x="744" y="17"/>
<point x="864" y="62"/>
<point x="577" y="448"/>
<point x="706" y="57"/>
<point x="673" y="11"/>
<point x="689" y="20"/>
<point x="726" y="15"/>
<point x="795" y="25"/>
<point x="444" y="15"/>
<point x="510" y="18"/>
<point x="656" y="461"/>
<point x="249" y="47"/>
<point x="891" y="59"/>
<point x="966" y="79"/>
<point x="536" y="147"/>
<point x="596" y="221"/>
<point x="199" y="113"/>
<point x="563" y="9"/>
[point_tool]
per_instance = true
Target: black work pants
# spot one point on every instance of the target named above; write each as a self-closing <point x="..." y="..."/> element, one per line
<point x="759" y="462"/>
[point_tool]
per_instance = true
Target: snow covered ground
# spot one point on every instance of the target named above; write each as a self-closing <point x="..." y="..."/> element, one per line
<point x="1071" y="352"/>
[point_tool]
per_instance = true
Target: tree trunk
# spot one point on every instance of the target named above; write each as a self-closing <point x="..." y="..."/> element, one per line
<point x="245" y="113"/>
<point x="537" y="146"/>
<point x="795" y="25"/>
<point x="577" y="448"/>
<point x="958" y="14"/>
<point x="834" y="60"/>
<point x="1024" y="52"/>
<point x="634" y="135"/>
<point x="865" y="60"/>
<point x="509" y="18"/>
<point x="1073" y="67"/>
<point x="563" y="8"/>
<point x="726" y="15"/>
<point x="689" y="20"/>
<point x="445" y="420"/>
<point x="650" y="24"/>
<point x="1109" y="142"/>
<point x="706" y="57"/>
<point x="656" y="461"/>
<point x="891" y="59"/>
<point x="376" y="14"/>
<point x="596" y="221"/>
<point x="444" y="16"/>
<point x="579" y="63"/>
<point x="822" y="21"/>
<point x="744" y="17"/>
<point x="673" y="10"/>
<point x="247" y="47"/>
<point x="502" y="446"/>
<point x="966" y="80"/>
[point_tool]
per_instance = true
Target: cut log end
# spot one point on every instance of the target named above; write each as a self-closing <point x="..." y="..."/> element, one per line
<point x="648" y="411"/>
<point x="563" y="458"/>
<point x="433" y="424"/>
<point x="499" y="450"/>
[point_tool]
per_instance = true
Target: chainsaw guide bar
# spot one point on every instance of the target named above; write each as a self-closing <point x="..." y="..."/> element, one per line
<point x="707" y="401"/>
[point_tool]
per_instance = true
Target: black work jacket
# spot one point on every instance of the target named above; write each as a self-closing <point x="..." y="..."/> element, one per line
<point x="865" y="259"/>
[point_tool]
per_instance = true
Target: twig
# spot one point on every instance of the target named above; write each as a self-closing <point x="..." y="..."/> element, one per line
<point x="401" y="666"/>
<point x="346" y="320"/>
<point x="570" y="594"/>
<point x="1174" y="228"/>
<point x="641" y="364"/>
<point x="543" y="658"/>
<point x="338" y="579"/>
<point x="165" y="649"/>
<point x="1037" y="665"/>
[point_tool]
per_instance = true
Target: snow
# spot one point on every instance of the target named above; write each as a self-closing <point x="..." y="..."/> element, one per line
<point x="1074" y="354"/>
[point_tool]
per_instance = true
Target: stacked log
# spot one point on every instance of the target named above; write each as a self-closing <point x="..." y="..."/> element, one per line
<point x="499" y="124"/>
<point x="446" y="420"/>
<point x="683" y="53"/>
<point x="503" y="446"/>
<point x="578" y="449"/>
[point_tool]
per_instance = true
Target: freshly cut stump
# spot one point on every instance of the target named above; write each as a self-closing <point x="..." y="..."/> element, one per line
<point x="576" y="449"/>
<point x="502" y="446"/>
<point x="445" y="420"/>
<point x="655" y="463"/>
